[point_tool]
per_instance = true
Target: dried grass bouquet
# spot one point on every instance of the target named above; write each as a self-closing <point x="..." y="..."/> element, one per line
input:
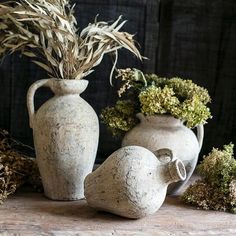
<point x="46" y="31"/>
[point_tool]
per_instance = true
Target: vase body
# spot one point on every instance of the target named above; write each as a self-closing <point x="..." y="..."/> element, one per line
<point x="131" y="183"/>
<point x="164" y="131"/>
<point x="66" y="131"/>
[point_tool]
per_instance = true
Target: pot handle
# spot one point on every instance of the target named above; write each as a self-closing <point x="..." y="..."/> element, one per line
<point x="200" y="135"/>
<point x="30" y="98"/>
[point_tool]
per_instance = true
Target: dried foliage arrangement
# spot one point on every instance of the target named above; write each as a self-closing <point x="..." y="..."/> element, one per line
<point x="16" y="168"/>
<point x="216" y="190"/>
<point x="152" y="95"/>
<point x="46" y="31"/>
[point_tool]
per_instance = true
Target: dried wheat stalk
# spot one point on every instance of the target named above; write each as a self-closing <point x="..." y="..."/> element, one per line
<point x="46" y="31"/>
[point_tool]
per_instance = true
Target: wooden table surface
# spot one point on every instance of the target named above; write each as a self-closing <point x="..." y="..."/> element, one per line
<point x="32" y="214"/>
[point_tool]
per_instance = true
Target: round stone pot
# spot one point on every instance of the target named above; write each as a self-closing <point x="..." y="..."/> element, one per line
<point x="66" y="132"/>
<point x="166" y="132"/>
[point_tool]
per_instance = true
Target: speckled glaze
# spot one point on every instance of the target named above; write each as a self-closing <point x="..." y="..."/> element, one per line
<point x="164" y="131"/>
<point x="66" y="131"/>
<point x="132" y="182"/>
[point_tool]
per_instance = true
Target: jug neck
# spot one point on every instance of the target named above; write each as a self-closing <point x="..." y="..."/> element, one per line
<point x="174" y="171"/>
<point x="65" y="87"/>
<point x="159" y="120"/>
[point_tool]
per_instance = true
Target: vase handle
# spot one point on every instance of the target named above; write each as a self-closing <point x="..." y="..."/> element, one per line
<point x="30" y="98"/>
<point x="200" y="135"/>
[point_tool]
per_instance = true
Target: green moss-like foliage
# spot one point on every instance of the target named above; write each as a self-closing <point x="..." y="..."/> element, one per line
<point x="216" y="190"/>
<point x="119" y="118"/>
<point x="152" y="95"/>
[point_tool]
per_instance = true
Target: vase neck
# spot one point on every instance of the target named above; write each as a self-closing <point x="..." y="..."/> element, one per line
<point x="65" y="87"/>
<point x="174" y="171"/>
<point x="159" y="120"/>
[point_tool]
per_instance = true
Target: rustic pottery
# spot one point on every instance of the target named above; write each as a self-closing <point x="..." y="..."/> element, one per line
<point x="66" y="131"/>
<point x="132" y="182"/>
<point x="164" y="131"/>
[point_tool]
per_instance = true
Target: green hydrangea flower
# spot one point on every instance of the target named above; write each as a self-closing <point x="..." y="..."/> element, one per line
<point x="155" y="100"/>
<point x="193" y="111"/>
<point x="119" y="118"/>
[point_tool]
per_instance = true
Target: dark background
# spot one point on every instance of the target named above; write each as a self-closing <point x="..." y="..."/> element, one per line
<point x="192" y="39"/>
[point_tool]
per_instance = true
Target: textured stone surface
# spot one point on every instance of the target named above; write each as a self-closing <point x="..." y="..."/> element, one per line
<point x="66" y="138"/>
<point x="164" y="131"/>
<point x="132" y="182"/>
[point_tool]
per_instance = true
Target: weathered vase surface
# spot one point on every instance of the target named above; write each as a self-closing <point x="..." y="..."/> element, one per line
<point x="164" y="131"/>
<point x="132" y="182"/>
<point x="66" y="131"/>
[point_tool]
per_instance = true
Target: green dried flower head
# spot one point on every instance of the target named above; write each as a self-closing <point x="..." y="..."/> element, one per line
<point x="217" y="188"/>
<point x="155" y="100"/>
<point x="187" y="90"/>
<point x="119" y="118"/>
<point x="193" y="111"/>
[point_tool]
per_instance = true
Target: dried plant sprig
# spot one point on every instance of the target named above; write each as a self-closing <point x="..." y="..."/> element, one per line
<point x="46" y="31"/>
<point x="216" y="190"/>
<point x="16" y="168"/>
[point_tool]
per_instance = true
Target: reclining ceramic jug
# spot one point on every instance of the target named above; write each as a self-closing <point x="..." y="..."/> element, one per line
<point x="132" y="182"/>
<point x="164" y="131"/>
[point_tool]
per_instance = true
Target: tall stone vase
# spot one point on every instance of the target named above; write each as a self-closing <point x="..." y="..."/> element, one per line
<point x="66" y="132"/>
<point x="165" y="132"/>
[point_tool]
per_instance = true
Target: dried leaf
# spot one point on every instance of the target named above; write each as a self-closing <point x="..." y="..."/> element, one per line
<point x="44" y="66"/>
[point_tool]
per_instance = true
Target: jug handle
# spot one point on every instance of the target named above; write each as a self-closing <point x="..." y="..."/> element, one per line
<point x="200" y="135"/>
<point x="30" y="98"/>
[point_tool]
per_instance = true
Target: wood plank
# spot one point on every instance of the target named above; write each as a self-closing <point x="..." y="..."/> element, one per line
<point x="32" y="214"/>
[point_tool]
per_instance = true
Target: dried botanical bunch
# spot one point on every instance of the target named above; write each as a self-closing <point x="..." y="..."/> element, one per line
<point x="16" y="168"/>
<point x="46" y="31"/>
<point x="152" y="95"/>
<point x="120" y="117"/>
<point x="216" y="190"/>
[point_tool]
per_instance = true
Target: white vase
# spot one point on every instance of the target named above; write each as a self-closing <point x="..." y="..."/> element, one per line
<point x="132" y="182"/>
<point x="66" y="131"/>
<point x="164" y="131"/>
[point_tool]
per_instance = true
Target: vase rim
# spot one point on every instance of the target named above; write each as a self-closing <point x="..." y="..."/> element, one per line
<point x="157" y="115"/>
<point x="68" y="86"/>
<point x="68" y="80"/>
<point x="159" y="118"/>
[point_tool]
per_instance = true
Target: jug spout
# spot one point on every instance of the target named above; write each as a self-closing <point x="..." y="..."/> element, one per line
<point x="175" y="171"/>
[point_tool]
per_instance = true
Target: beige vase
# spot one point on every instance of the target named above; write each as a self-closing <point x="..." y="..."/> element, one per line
<point x="164" y="131"/>
<point x="132" y="182"/>
<point x="65" y="131"/>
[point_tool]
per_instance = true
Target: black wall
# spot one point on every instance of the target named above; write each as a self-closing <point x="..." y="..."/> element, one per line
<point x="190" y="39"/>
